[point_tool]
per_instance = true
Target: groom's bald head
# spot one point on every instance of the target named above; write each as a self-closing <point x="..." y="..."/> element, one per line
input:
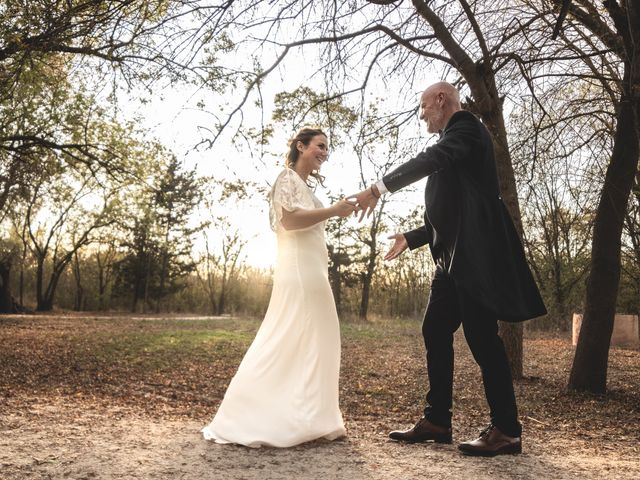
<point x="445" y="88"/>
<point x="437" y="104"/>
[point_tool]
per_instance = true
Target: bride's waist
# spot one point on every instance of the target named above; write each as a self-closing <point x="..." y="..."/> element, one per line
<point x="307" y="270"/>
<point x="302" y="255"/>
<point x="301" y="241"/>
<point x="294" y="255"/>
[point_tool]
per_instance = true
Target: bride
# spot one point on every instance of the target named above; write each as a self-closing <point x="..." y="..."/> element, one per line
<point x="285" y="391"/>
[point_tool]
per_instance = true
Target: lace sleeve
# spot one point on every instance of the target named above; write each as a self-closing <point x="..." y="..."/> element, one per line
<point x="289" y="193"/>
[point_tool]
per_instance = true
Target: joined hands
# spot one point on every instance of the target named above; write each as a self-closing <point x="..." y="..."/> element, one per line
<point x="345" y="207"/>
<point x="366" y="201"/>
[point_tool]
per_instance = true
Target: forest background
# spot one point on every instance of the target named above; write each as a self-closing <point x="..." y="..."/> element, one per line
<point x="138" y="140"/>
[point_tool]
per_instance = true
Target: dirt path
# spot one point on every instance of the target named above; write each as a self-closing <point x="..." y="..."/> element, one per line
<point x="52" y="439"/>
<point x="85" y="397"/>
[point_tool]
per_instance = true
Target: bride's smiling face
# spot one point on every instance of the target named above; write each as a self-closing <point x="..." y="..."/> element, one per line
<point x="314" y="154"/>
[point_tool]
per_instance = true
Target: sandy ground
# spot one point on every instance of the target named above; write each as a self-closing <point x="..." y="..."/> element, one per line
<point x="56" y="439"/>
<point x="72" y="405"/>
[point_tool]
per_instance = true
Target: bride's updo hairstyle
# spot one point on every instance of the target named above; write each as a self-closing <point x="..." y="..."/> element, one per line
<point x="305" y="135"/>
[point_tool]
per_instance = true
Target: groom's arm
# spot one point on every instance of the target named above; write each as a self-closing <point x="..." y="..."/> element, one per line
<point x="456" y="146"/>
<point x="419" y="237"/>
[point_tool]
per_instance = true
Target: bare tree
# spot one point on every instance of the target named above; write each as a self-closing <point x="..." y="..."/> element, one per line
<point x="631" y="252"/>
<point x="6" y="262"/>
<point x="56" y="60"/>
<point x="105" y="257"/>
<point x="221" y="263"/>
<point x="377" y="149"/>
<point x="616" y="27"/>
<point x="401" y="287"/>
<point x="219" y="272"/>
<point x="559" y="191"/>
<point x="56" y="239"/>
<point x="469" y="41"/>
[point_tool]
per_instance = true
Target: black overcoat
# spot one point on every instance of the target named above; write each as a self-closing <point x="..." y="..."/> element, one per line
<point x="467" y="225"/>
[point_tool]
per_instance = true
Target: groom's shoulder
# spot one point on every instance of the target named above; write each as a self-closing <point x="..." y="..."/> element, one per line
<point x="463" y="122"/>
<point x="466" y="124"/>
<point x="463" y="116"/>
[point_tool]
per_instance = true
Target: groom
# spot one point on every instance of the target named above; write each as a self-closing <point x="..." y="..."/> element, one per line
<point x="481" y="272"/>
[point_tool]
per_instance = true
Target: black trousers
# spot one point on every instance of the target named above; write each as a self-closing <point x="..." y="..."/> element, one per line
<point x="446" y="310"/>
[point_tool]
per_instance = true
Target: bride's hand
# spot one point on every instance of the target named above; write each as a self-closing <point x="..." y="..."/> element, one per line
<point x="399" y="245"/>
<point x="344" y="208"/>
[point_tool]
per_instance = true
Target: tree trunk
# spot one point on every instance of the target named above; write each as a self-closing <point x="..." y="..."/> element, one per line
<point x="139" y="276"/>
<point x="211" y="286"/>
<point x="395" y="301"/>
<point x="589" y="370"/>
<point x="147" y="282"/>
<point x="6" y="303"/>
<point x="366" y="282"/>
<point x="337" y="291"/>
<point x="23" y="261"/>
<point x="511" y="333"/>
<point x="39" y="282"/>
<point x="364" y="300"/>
<point x="46" y="298"/>
<point x="101" y="284"/>
<point x="21" y="282"/>
<point x="221" y="300"/>
<point x="335" y="273"/>
<point x="79" y="298"/>
<point x="163" y="269"/>
<point x="163" y="273"/>
<point x="45" y="305"/>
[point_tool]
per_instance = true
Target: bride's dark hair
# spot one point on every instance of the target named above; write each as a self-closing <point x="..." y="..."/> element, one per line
<point x="305" y="135"/>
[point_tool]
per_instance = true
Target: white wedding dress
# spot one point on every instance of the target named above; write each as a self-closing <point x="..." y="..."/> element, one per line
<point x="285" y="391"/>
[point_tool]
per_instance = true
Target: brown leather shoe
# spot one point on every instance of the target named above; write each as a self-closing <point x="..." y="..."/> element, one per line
<point x="490" y="443"/>
<point x="424" y="430"/>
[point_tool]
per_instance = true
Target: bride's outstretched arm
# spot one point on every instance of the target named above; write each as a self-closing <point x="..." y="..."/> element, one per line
<point x="302" y="218"/>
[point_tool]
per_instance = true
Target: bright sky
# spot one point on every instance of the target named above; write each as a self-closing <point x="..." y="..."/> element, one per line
<point x="172" y="117"/>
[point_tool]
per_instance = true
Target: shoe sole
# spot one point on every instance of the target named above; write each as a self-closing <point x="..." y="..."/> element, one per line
<point x="436" y="439"/>
<point x="509" y="450"/>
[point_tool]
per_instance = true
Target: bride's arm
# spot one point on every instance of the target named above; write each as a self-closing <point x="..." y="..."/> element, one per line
<point x="301" y="218"/>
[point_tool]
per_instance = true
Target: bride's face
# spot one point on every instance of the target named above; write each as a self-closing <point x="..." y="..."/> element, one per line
<point x="314" y="154"/>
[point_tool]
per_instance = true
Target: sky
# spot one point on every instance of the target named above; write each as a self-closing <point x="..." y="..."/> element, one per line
<point x="171" y="116"/>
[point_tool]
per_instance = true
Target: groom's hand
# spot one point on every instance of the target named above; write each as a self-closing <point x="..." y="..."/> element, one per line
<point x="366" y="200"/>
<point x="399" y="245"/>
